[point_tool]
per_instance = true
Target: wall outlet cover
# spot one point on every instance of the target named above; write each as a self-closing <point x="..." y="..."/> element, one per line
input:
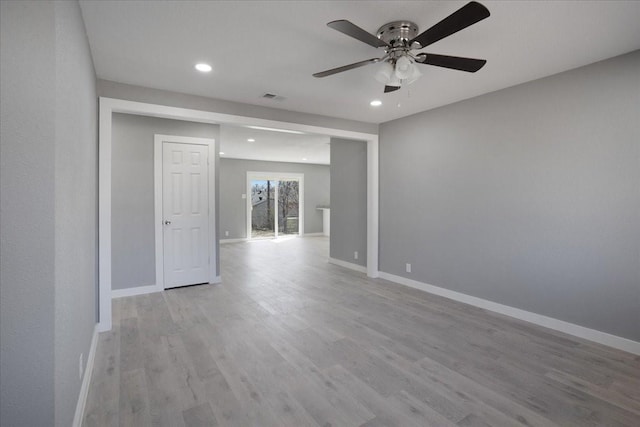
<point x="355" y="255"/>
<point x="408" y="268"/>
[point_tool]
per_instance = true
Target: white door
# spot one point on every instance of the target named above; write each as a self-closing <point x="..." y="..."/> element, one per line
<point x="185" y="214"/>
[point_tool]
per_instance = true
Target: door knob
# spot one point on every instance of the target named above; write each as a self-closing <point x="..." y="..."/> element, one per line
<point x="167" y="222"/>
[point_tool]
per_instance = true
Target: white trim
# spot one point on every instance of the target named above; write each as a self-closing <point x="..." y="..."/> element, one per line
<point x="157" y="214"/>
<point x="108" y="106"/>
<point x="313" y="234"/>
<point x="372" y="207"/>
<point x="138" y="290"/>
<point x="349" y="265"/>
<point x="158" y="140"/>
<point x="86" y="380"/>
<point x="104" y="215"/>
<point x="275" y="176"/>
<point x="217" y="279"/>
<point x="225" y="241"/>
<point x="528" y="316"/>
<point x="164" y="111"/>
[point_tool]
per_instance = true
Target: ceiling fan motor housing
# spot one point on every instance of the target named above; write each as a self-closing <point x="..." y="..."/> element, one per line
<point x="398" y="34"/>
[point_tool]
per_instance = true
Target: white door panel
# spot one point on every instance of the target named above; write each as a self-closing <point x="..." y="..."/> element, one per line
<point x="185" y="212"/>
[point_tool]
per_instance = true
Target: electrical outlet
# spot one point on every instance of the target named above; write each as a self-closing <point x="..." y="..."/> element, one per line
<point x="244" y="196"/>
<point x="355" y="255"/>
<point x="80" y="365"/>
<point x="226" y="233"/>
<point x="408" y="268"/>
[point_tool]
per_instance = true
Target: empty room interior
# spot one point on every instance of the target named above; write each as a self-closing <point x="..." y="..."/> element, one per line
<point x="319" y="213"/>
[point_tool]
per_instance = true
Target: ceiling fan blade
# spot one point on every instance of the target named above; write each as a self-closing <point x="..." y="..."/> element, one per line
<point x="356" y="32"/>
<point x="467" y="15"/>
<point x="455" y="62"/>
<point x="388" y="89"/>
<point x="346" y="67"/>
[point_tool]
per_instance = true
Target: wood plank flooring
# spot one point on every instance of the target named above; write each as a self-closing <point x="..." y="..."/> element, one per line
<point x="290" y="340"/>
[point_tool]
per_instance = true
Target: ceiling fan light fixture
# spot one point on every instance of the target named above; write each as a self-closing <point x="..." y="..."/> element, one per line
<point x="394" y="74"/>
<point x="394" y="81"/>
<point x="384" y="72"/>
<point x="404" y="67"/>
<point x="415" y="75"/>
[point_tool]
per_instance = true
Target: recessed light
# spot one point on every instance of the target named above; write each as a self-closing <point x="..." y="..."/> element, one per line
<point x="304" y="158"/>
<point x="202" y="67"/>
<point x="276" y="130"/>
<point x="251" y="140"/>
<point x="222" y="153"/>
<point x="375" y="103"/>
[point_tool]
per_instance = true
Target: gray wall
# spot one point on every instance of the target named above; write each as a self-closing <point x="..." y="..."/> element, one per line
<point x="132" y="202"/>
<point x="48" y="199"/>
<point x="156" y="96"/>
<point x="76" y="206"/>
<point x="528" y="197"/>
<point x="348" y="201"/>
<point x="233" y="183"/>
<point x="27" y="247"/>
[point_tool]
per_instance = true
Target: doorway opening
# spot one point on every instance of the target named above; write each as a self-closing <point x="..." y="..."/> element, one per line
<point x="275" y="206"/>
<point x="108" y="106"/>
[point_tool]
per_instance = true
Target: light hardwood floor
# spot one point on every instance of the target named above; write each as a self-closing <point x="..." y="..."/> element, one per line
<point x="289" y="340"/>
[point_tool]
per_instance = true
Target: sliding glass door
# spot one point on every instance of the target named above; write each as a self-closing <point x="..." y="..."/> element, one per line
<point x="274" y="206"/>
<point x="288" y="207"/>
<point x="263" y="209"/>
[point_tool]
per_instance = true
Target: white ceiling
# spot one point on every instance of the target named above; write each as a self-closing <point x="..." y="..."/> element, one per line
<point x="273" y="146"/>
<point x="259" y="47"/>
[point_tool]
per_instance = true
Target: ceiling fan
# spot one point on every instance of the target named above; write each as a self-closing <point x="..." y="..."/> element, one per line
<point x="400" y="39"/>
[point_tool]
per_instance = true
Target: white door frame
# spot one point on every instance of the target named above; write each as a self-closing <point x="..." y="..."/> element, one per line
<point x="108" y="106"/>
<point x="158" y="140"/>
<point x="273" y="176"/>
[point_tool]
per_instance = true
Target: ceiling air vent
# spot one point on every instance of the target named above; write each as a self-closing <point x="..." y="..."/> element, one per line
<point x="273" y="97"/>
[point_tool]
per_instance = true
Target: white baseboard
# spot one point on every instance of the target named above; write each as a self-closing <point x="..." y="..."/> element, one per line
<point x="218" y="279"/>
<point x="313" y="234"/>
<point x="86" y="380"/>
<point x="140" y="290"/>
<point x="528" y="316"/>
<point x="349" y="265"/>
<point x="224" y="241"/>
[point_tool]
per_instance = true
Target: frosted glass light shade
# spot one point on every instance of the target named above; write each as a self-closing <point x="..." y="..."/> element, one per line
<point x="384" y="73"/>
<point x="404" y="68"/>
<point x="403" y="71"/>
<point x="415" y="74"/>
<point x="394" y="81"/>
